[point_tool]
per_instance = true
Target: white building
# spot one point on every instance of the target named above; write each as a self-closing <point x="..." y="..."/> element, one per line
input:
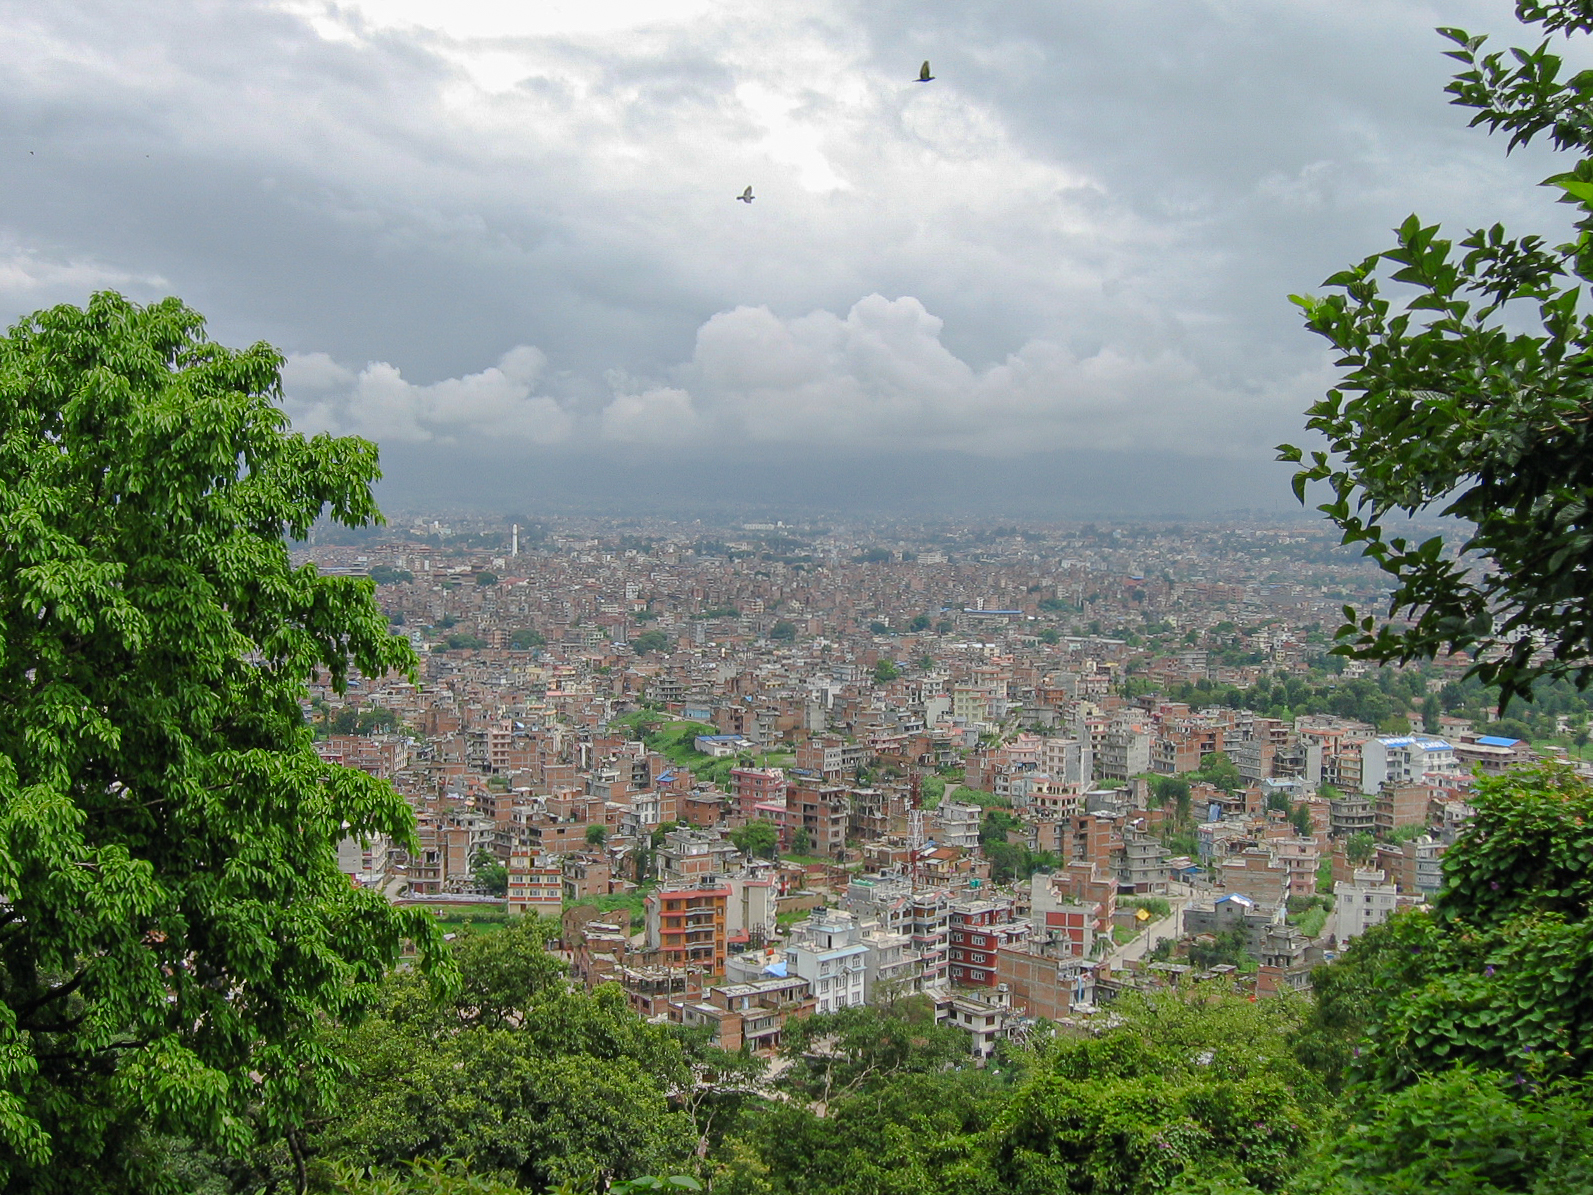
<point x="957" y="825"/>
<point x="984" y="1017"/>
<point x="1407" y="759"/>
<point x="751" y="908"/>
<point x="889" y="964"/>
<point x="1362" y="904"/>
<point x="832" y="957"/>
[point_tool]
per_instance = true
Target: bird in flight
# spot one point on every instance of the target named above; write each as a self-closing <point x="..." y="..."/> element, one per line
<point x="923" y="73"/>
<point x="745" y="196"/>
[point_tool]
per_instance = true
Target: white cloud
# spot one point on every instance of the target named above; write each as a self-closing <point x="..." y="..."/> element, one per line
<point x="33" y="277"/>
<point x="662" y="415"/>
<point x="881" y="377"/>
<point x="495" y="405"/>
<point x="878" y="378"/>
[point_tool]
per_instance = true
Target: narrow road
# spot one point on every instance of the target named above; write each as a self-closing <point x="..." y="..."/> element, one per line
<point x="1167" y="927"/>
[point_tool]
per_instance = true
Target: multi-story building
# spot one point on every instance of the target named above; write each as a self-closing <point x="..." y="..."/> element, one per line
<point x="586" y="875"/>
<point x="1300" y="859"/>
<point x="536" y="885"/>
<point x="1362" y="903"/>
<point x="1045" y="984"/>
<point x="1125" y="752"/>
<point x="752" y="908"/>
<point x="1060" y="924"/>
<point x="890" y="964"/>
<point x="1415" y="865"/>
<point x="1142" y="862"/>
<point x="986" y="1016"/>
<point x="979" y="928"/>
<point x="748" y="1015"/>
<point x="957" y="825"/>
<point x="824" y="812"/>
<point x="687" y="852"/>
<point x="1403" y="760"/>
<point x="1398" y="805"/>
<point x="929" y="929"/>
<point x="752" y="786"/>
<point x="688" y="923"/>
<point x="831" y="955"/>
<point x="1351" y="815"/>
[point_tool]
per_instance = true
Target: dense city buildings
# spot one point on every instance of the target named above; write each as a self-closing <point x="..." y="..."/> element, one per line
<point x="801" y="768"/>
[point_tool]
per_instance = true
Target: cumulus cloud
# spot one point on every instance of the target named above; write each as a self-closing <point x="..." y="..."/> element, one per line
<point x="878" y="378"/>
<point x="32" y="277"/>
<point x="497" y="404"/>
<point x="881" y="377"/>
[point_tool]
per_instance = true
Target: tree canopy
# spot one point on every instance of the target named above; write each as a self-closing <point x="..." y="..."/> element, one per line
<point x="175" y="932"/>
<point x="1471" y="399"/>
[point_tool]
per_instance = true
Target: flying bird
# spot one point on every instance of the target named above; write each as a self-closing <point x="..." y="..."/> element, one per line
<point x="923" y="73"/>
<point x="745" y="196"/>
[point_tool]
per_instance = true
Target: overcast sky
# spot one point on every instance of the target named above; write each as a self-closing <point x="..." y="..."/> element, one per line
<point x="501" y="239"/>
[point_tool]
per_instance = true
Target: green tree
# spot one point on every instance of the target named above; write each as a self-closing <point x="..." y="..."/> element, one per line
<point x="801" y="842"/>
<point x="761" y="838"/>
<point x="783" y="631"/>
<point x="862" y="1047"/>
<point x="1202" y="1085"/>
<point x="1217" y="769"/>
<point x="176" y="932"/>
<point x="596" y="835"/>
<point x="1431" y="710"/>
<point x="886" y="671"/>
<point x="1359" y="847"/>
<point x="919" y="623"/>
<point x="518" y="1073"/>
<point x="1461" y="1130"/>
<point x="490" y="874"/>
<point x="649" y="641"/>
<point x="485" y="579"/>
<point x="527" y="638"/>
<point x="1174" y="791"/>
<point x="1468" y="396"/>
<point x="945" y="627"/>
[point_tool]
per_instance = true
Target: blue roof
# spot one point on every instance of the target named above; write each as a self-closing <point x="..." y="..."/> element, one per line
<point x="776" y="969"/>
<point x="1493" y="740"/>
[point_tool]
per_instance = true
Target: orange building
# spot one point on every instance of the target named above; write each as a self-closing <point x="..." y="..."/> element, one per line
<point x="687" y="924"/>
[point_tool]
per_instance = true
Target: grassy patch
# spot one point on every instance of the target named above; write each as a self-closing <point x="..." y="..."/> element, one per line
<point x="632" y="902"/>
<point x="1311" y="921"/>
<point x="973" y="796"/>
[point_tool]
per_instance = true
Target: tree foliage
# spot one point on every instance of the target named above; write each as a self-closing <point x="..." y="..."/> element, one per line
<point x="1472" y="398"/>
<point x="1205" y="1085"/>
<point x="517" y="1072"/>
<point x="175" y="931"/>
<point x="760" y="837"/>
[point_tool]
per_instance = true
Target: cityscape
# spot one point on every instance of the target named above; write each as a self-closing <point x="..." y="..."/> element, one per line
<point x="760" y="771"/>
<point x="650" y="597"/>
